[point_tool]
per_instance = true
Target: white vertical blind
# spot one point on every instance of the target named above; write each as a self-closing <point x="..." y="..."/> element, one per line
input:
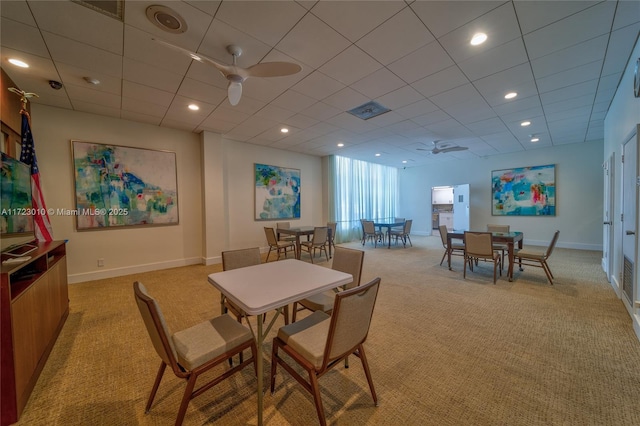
<point x="360" y="190"/>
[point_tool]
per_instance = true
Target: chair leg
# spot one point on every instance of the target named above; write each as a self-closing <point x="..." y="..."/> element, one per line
<point x="547" y="271"/>
<point x="443" y="256"/>
<point x="156" y="384"/>
<point x="367" y="372"/>
<point x="409" y="238"/>
<point x="274" y="362"/>
<point x="267" y="259"/>
<point x="464" y="273"/>
<point x="191" y="383"/>
<point x="295" y="312"/>
<point x="315" y="390"/>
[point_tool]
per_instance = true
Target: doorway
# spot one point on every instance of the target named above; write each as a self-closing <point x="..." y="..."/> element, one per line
<point x="607" y="226"/>
<point x="628" y="222"/>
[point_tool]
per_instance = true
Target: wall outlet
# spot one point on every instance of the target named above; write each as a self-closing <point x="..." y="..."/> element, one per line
<point x="100" y="262"/>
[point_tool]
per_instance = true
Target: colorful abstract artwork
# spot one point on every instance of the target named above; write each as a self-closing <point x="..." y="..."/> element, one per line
<point x="118" y="186"/>
<point x="277" y="192"/>
<point x="526" y="191"/>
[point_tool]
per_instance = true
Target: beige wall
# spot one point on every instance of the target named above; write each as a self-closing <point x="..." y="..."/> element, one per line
<point x="215" y="194"/>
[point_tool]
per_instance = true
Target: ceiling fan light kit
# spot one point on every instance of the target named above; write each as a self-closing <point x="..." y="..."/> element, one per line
<point x="443" y="147"/>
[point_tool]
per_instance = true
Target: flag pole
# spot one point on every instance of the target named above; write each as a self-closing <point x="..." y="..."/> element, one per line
<point x="42" y="223"/>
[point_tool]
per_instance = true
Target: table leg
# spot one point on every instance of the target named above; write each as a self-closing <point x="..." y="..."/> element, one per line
<point x="330" y="240"/>
<point x="389" y="236"/>
<point x="260" y="340"/>
<point x="449" y="252"/>
<point x="298" y="251"/>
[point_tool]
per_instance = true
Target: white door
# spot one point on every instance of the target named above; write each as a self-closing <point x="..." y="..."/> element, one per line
<point x="628" y="220"/>
<point x="607" y="227"/>
<point x="461" y="207"/>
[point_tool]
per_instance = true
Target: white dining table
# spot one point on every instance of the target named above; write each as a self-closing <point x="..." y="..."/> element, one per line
<point x="271" y="286"/>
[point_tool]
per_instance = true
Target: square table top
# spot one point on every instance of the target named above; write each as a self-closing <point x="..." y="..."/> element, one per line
<point x="268" y="286"/>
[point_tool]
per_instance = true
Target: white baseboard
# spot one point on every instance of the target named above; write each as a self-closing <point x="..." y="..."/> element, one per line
<point x="616" y="286"/>
<point x="128" y="270"/>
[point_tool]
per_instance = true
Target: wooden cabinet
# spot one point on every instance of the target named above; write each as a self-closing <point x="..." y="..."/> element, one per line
<point x="34" y="305"/>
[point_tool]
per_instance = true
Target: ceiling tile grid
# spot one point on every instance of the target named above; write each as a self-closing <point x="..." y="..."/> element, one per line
<point x="564" y="59"/>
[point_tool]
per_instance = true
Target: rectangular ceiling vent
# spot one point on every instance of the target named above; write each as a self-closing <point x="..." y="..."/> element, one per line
<point x="112" y="8"/>
<point x="368" y="110"/>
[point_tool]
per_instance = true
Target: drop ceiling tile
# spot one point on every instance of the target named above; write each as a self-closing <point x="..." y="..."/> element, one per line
<point x="521" y="114"/>
<point x="440" y="82"/>
<point x="249" y="17"/>
<point x="580" y="27"/>
<point x="386" y="44"/>
<point x="141" y="47"/>
<point x="500" y="25"/>
<point x="73" y="21"/>
<point x="209" y="7"/>
<point x="83" y="55"/>
<point x="571" y="57"/>
<point x="139" y="106"/>
<point x="216" y="126"/>
<point x="570" y="77"/>
<point x="178" y="110"/>
<point x="139" y="72"/>
<point x="524" y="90"/>
<point x="346" y="99"/>
<point x="22" y="38"/>
<point x="421" y="63"/>
<point x="74" y="75"/>
<point x="461" y="94"/>
<point x="569" y="92"/>
<point x="228" y="114"/>
<point x="620" y="46"/>
<point x="492" y="61"/>
<point x="431" y="118"/>
<point x="346" y="16"/>
<point x="198" y="91"/>
<point x="486" y="127"/>
<point x="220" y="35"/>
<point x="552" y="109"/>
<point x="627" y="13"/>
<point x="504" y="81"/>
<point x="321" y="111"/>
<point x="416" y="109"/>
<point x="274" y="113"/>
<point x="386" y="119"/>
<point x="350" y="65"/>
<point x="318" y="85"/>
<point x="442" y="17"/>
<point x="378" y="83"/>
<point x="301" y="43"/>
<point x="349" y="122"/>
<point x="140" y="117"/>
<point x="293" y="101"/>
<point x="97" y="109"/>
<point x="580" y="114"/>
<point x="301" y="121"/>
<point x="17" y="11"/>
<point x="470" y="112"/>
<point x="518" y="104"/>
<point x="533" y="15"/>
<point x="399" y="98"/>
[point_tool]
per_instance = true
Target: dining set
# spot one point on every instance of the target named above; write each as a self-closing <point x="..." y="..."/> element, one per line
<point x="285" y="238"/>
<point x="491" y="245"/>
<point x="400" y="228"/>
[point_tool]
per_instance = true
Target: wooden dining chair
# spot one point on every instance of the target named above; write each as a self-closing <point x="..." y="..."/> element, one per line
<point x="479" y="246"/>
<point x="194" y="351"/>
<point x="502" y="247"/>
<point x="278" y="246"/>
<point x="284" y="225"/>
<point x="319" y="342"/>
<point x="403" y="234"/>
<point x="369" y="232"/>
<point x="332" y="234"/>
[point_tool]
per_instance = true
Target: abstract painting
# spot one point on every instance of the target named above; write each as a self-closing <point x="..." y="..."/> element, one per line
<point x="277" y="192"/>
<point x="118" y="186"/>
<point x="525" y="191"/>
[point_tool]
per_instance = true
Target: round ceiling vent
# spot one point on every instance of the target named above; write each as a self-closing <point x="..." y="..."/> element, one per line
<point x="166" y="19"/>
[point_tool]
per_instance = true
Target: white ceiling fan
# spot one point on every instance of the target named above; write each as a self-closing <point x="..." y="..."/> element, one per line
<point x="237" y="75"/>
<point x="443" y="147"/>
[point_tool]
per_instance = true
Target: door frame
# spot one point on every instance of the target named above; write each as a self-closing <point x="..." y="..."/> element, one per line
<point x="608" y="228"/>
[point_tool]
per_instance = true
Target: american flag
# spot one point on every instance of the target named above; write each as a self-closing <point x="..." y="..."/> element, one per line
<point x="28" y="156"/>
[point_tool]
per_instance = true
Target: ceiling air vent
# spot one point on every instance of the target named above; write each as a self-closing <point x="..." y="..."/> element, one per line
<point x="112" y="8"/>
<point x="368" y="110"/>
<point x="166" y="19"/>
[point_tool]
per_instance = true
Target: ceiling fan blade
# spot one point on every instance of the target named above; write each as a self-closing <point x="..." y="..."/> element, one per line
<point x="234" y="91"/>
<point x="223" y="68"/>
<point x="453" y="148"/>
<point x="273" y="69"/>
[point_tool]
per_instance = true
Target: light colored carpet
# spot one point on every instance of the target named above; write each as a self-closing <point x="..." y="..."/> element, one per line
<point x="442" y="350"/>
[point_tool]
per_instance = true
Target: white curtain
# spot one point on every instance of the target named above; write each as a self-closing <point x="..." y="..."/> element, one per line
<point x="360" y="190"/>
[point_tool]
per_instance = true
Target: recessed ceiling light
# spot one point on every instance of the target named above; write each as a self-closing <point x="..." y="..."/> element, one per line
<point x="510" y="95"/>
<point x="19" y="63"/>
<point x="404" y="161"/>
<point x="525" y="123"/>
<point x="194" y="107"/>
<point x="284" y="130"/>
<point x="377" y="155"/>
<point x="478" y="38"/>
<point x="535" y="139"/>
<point x="340" y="144"/>
<point x="92" y="80"/>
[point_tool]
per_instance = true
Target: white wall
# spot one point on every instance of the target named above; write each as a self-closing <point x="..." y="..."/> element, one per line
<point x="579" y="184"/>
<point x="215" y="194"/>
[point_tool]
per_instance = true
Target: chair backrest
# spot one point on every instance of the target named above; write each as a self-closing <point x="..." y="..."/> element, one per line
<point x="350" y="320"/>
<point x="443" y="234"/>
<point x="367" y="226"/>
<point x="498" y="228"/>
<point x="407" y="226"/>
<point x="283" y="225"/>
<point x="554" y="240"/>
<point x="319" y="235"/>
<point x="348" y="261"/>
<point x="156" y="326"/>
<point x="332" y="226"/>
<point x="271" y="236"/>
<point x="478" y="244"/>
<point x="234" y="259"/>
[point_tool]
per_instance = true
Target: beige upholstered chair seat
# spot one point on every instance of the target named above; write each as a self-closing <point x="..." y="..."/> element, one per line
<point x="319" y="302"/>
<point x="532" y="253"/>
<point x="308" y="336"/>
<point x="203" y="342"/>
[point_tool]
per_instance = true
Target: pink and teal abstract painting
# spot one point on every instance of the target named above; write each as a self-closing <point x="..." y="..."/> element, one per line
<point x="277" y="191"/>
<point x="525" y="191"/>
<point x="118" y="186"/>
